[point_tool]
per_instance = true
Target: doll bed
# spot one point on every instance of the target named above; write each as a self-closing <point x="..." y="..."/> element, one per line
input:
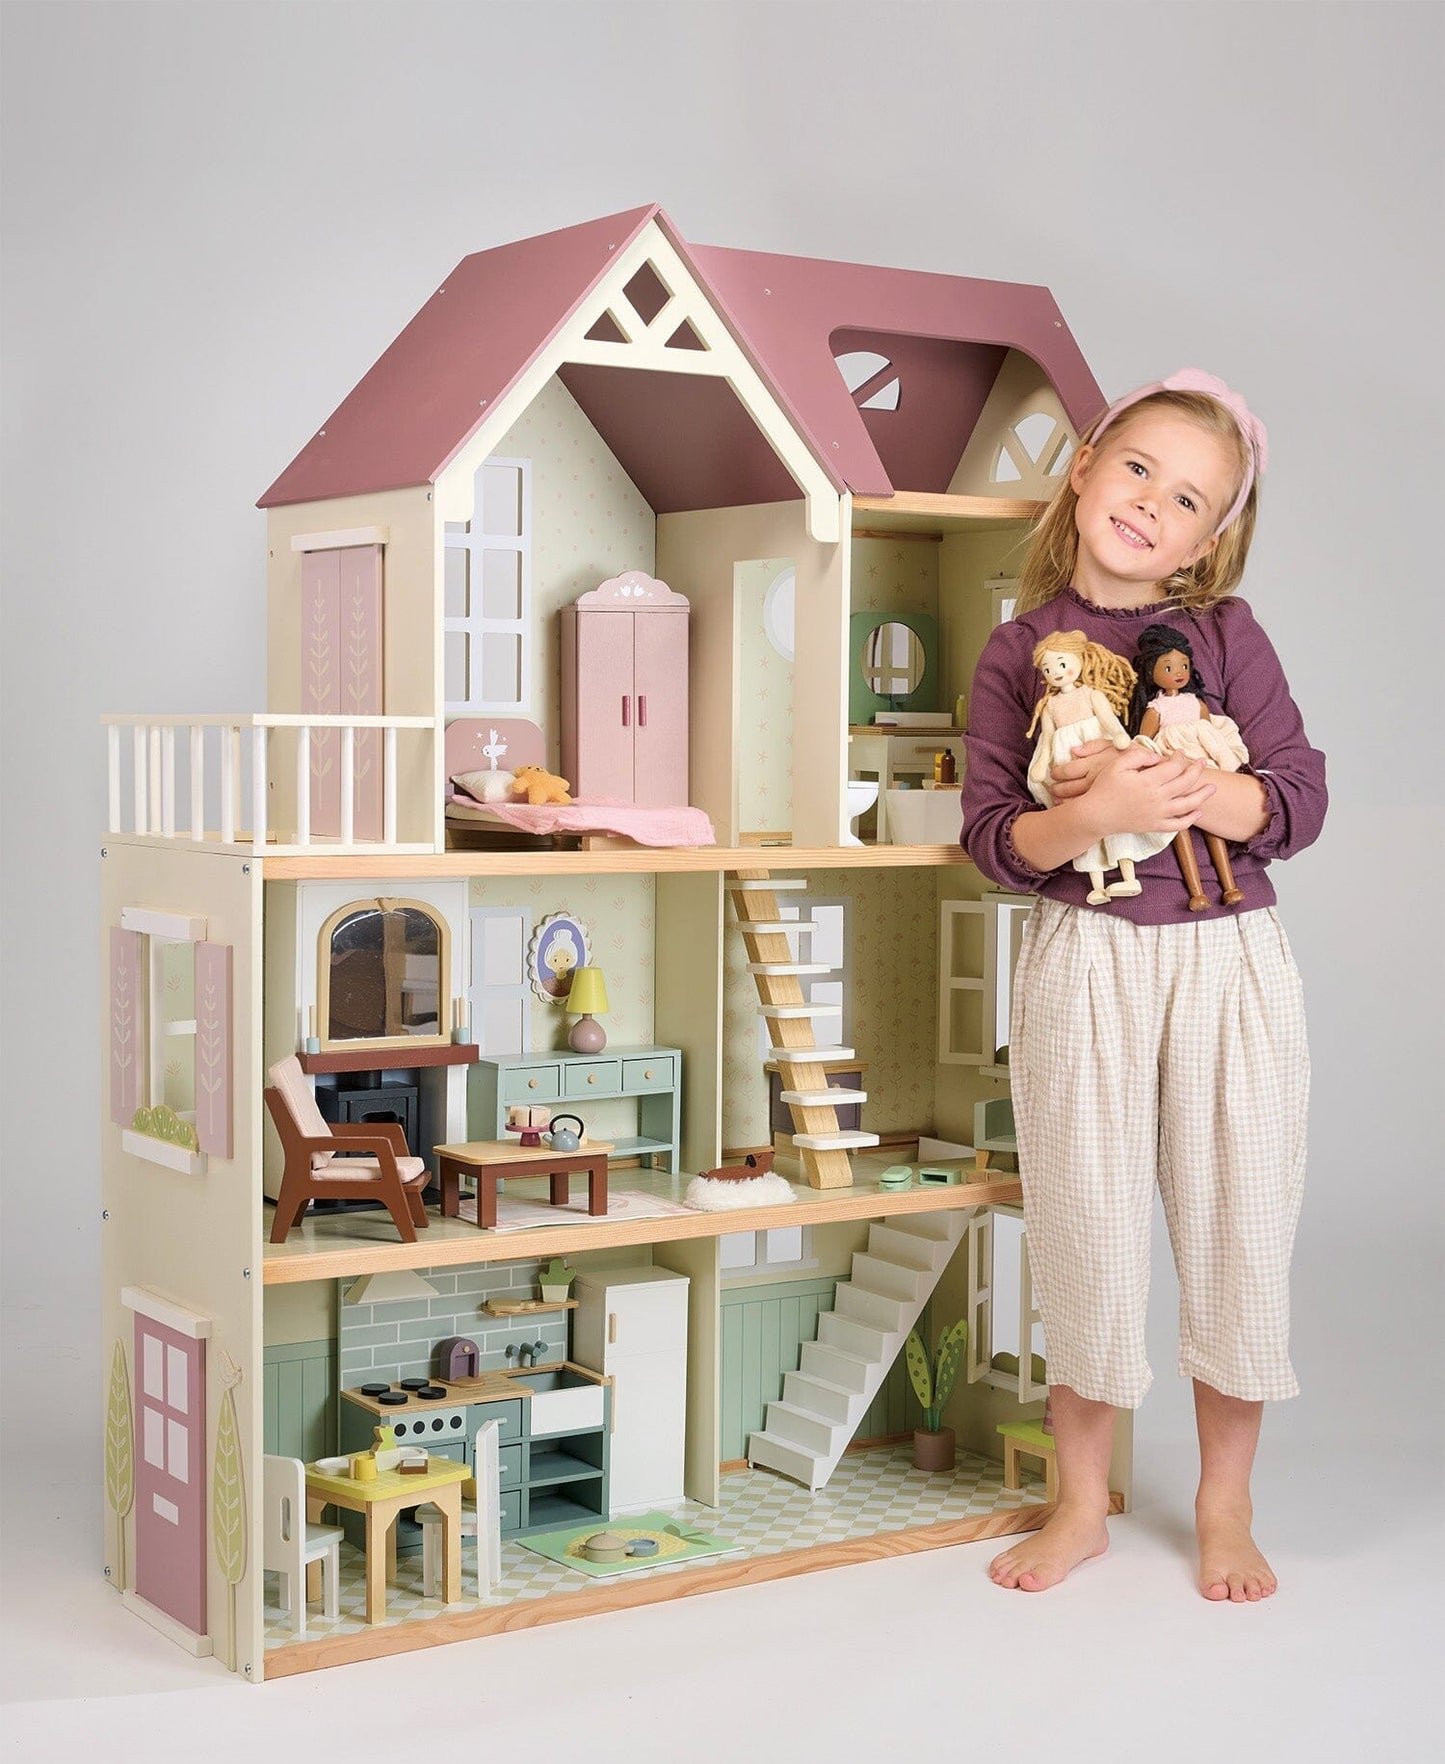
<point x="504" y="743"/>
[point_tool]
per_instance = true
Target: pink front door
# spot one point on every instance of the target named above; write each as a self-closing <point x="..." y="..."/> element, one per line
<point x="170" y="1477"/>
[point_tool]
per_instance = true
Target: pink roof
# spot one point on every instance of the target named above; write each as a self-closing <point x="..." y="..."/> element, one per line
<point x="686" y="442"/>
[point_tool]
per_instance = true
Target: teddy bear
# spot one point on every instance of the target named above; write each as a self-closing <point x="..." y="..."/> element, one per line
<point x="539" y="786"/>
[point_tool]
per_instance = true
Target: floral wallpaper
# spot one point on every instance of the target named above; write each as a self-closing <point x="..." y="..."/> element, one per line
<point x="894" y="575"/>
<point x="765" y="732"/>
<point x="589" y="522"/>
<point x="618" y="913"/>
<point x="893" y="962"/>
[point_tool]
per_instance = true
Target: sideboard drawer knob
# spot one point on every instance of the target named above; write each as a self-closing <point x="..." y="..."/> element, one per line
<point x="591" y="1077"/>
<point x="531" y="1084"/>
<point x="648" y="1072"/>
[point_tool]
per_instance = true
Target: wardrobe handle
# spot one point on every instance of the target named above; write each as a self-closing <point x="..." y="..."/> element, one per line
<point x="612" y="1326"/>
<point x="642" y="710"/>
<point x="626" y="710"/>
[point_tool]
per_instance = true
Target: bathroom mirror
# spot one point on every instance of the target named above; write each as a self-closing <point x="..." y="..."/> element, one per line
<point x="892" y="660"/>
<point x="892" y="663"/>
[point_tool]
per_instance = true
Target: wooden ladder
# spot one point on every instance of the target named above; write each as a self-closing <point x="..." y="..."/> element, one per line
<point x="824" y="1146"/>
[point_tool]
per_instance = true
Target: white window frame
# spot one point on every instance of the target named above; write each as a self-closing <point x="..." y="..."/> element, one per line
<point x="764" y="1246"/>
<point x="160" y="930"/>
<point x="471" y="536"/>
<point x="1005" y="598"/>
<point x="982" y="1291"/>
<point x="519" y="989"/>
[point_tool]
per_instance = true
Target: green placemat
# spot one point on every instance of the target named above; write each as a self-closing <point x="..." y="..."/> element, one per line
<point x="676" y="1541"/>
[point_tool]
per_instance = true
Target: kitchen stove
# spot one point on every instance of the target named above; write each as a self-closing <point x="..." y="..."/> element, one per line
<point x="417" y="1411"/>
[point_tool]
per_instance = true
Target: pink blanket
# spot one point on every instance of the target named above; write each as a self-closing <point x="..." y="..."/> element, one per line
<point x="601" y="814"/>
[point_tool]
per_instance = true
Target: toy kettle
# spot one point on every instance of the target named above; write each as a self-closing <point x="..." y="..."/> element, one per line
<point x="563" y="1139"/>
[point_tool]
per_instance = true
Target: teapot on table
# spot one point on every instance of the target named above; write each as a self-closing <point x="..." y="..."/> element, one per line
<point x="563" y="1139"/>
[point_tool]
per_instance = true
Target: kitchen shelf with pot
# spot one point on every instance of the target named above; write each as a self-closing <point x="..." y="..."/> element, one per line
<point x="652" y="1076"/>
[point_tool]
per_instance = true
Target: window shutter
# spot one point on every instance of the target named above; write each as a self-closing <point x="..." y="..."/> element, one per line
<point x="125" y="1024"/>
<point x="213" y="1048"/>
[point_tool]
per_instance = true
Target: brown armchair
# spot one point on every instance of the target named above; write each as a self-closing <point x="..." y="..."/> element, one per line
<point x="314" y="1172"/>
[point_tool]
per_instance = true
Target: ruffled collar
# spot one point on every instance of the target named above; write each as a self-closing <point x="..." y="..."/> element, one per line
<point x="1153" y="609"/>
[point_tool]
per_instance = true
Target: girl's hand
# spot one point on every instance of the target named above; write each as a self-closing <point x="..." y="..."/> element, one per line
<point x="1132" y="790"/>
<point x="1073" y="777"/>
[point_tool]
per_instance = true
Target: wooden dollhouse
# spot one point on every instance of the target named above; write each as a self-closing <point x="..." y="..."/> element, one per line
<point x="718" y="536"/>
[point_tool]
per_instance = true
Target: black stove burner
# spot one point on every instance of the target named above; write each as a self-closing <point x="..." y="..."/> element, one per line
<point x="375" y="1390"/>
<point x="414" y="1383"/>
<point x="432" y="1392"/>
<point x="393" y="1399"/>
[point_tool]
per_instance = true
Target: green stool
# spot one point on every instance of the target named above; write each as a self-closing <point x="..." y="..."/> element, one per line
<point x="1029" y="1438"/>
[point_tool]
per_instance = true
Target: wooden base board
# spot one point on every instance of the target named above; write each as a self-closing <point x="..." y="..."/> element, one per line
<point x="431" y="1632"/>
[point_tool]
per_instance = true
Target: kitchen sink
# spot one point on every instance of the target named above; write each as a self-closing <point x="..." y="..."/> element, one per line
<point x="564" y="1400"/>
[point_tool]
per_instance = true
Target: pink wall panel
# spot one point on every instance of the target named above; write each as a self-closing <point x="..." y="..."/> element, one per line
<point x="321" y="651"/>
<point x="361" y="681"/>
<point x="213" y="1048"/>
<point x="125" y="1024"/>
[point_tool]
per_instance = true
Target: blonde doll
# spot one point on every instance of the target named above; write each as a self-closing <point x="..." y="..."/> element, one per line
<point x="1089" y="690"/>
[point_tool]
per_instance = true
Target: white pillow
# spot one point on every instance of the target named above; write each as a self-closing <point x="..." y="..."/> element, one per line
<point x="485" y="786"/>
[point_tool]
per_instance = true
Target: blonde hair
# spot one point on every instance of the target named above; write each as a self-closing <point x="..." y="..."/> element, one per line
<point x="1099" y="669"/>
<point x="1053" y="552"/>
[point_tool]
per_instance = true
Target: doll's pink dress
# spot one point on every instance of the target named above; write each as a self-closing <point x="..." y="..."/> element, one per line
<point x="1106" y="853"/>
<point x="1214" y="739"/>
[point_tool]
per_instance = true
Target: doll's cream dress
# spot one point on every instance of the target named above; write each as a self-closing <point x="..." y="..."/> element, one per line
<point x="1215" y="739"/>
<point x="1075" y="723"/>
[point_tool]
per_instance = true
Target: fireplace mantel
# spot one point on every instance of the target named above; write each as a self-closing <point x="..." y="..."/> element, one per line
<point x="391" y="1059"/>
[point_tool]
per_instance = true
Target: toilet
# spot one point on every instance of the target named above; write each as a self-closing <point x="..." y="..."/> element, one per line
<point x="862" y="794"/>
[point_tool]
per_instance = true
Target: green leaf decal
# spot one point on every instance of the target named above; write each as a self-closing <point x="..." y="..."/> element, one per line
<point x="228" y="1504"/>
<point x="119" y="1452"/>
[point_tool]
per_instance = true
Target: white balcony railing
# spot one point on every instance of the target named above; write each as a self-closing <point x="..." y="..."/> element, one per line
<point x="217" y="781"/>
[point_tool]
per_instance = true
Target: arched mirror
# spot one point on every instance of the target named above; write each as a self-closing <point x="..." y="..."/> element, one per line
<point x="383" y="967"/>
<point x="892" y="660"/>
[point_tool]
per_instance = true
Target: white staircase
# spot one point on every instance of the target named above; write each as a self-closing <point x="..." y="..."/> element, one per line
<point x="841" y="1372"/>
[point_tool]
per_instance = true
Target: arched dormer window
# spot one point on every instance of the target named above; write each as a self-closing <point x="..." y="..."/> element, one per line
<point x="1034" y="454"/>
<point x="382" y="968"/>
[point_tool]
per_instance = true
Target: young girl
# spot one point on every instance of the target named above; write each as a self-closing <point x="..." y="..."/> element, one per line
<point x="1151" y="1044"/>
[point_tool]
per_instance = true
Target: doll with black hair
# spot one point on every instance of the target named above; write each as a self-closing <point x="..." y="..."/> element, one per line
<point x="1170" y="713"/>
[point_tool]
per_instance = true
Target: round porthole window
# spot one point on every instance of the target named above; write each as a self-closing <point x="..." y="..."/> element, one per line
<point x="778" y="612"/>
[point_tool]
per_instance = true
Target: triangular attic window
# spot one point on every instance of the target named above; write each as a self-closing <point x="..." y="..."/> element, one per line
<point x="684" y="337"/>
<point x="606" y="330"/>
<point x="647" y="293"/>
<point x="865" y="374"/>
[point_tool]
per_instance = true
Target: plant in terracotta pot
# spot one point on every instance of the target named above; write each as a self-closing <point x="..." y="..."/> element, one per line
<point x="933" y="1445"/>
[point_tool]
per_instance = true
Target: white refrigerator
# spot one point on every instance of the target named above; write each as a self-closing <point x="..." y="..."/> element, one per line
<point x="631" y="1324"/>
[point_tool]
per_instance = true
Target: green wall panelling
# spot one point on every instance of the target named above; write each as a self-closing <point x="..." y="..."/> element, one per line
<point x="763" y="1329"/>
<point x="299" y="1399"/>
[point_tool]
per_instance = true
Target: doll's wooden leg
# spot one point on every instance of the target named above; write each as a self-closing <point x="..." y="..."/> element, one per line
<point x="1127" y="883"/>
<point x="1219" y="856"/>
<point x="1189" y="869"/>
<point x="1097" y="895"/>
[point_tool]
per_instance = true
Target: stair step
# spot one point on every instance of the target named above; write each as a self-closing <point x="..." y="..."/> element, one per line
<point x="797" y="1010"/>
<point x="807" y="1056"/>
<point x="822" y="1099"/>
<point x="771" y="885"/>
<point x="783" y="1455"/>
<point x="806" y="926"/>
<point x="937" y="1227"/>
<point x="861" y="1339"/>
<point x="906" y="1247"/>
<point x="834" y="1365"/>
<point x="878" y="1274"/>
<point x="875" y="1309"/>
<point x="789" y="968"/>
<point x="801" y="1428"/>
<point x="834" y="1141"/>
<point x="821" y="1397"/>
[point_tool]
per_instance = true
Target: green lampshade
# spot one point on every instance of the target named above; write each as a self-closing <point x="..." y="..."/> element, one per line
<point x="589" y="992"/>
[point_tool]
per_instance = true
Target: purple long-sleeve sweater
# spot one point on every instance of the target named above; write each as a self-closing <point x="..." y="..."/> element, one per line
<point x="1242" y="677"/>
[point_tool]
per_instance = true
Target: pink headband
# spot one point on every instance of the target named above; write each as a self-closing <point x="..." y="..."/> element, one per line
<point x="1196" y="380"/>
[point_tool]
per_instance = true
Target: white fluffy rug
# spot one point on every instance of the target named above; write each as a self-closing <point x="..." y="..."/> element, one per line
<point x="752" y="1191"/>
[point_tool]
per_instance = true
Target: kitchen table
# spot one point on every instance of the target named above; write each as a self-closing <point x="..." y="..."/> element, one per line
<point x="380" y="1502"/>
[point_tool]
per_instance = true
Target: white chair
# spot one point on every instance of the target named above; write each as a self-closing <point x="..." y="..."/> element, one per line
<point x="289" y="1543"/>
<point x="482" y="1520"/>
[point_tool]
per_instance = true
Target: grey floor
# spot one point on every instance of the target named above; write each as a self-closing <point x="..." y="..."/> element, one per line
<point x="1125" y="1662"/>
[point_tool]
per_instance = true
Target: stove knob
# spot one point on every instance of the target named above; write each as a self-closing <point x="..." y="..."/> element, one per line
<point x="456" y="1420"/>
<point x="437" y="1425"/>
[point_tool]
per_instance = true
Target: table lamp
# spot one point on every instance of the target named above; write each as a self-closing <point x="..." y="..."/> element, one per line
<point x="586" y="1000"/>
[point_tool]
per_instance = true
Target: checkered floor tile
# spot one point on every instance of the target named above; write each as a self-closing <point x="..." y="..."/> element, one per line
<point x="764" y="1514"/>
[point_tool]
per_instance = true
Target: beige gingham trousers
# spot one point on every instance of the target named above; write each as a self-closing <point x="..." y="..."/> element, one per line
<point x="1172" y="1055"/>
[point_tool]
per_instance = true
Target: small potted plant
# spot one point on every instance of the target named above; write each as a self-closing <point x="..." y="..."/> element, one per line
<point x="556" y="1282"/>
<point x="933" y="1445"/>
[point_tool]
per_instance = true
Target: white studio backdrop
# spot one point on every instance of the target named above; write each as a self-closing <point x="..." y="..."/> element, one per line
<point x="217" y="215"/>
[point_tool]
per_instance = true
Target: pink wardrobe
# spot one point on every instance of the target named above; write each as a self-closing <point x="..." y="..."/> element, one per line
<point x="624" y="692"/>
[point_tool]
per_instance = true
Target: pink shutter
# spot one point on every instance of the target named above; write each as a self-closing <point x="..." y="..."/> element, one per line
<point x="361" y="676"/>
<point x="213" y="1048"/>
<point x="125" y="1025"/>
<point x="321" y="682"/>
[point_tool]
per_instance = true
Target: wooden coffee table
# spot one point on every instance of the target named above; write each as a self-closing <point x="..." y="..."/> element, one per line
<point x="495" y="1160"/>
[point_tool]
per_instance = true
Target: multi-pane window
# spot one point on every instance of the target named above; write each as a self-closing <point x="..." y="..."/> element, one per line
<point x="488" y="585"/>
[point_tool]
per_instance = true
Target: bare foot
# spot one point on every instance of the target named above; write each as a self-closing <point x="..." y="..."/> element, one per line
<point x="1230" y="1564"/>
<point x="1043" y="1558"/>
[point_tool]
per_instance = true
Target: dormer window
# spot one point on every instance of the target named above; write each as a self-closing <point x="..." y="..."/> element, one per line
<point x="1038" y="445"/>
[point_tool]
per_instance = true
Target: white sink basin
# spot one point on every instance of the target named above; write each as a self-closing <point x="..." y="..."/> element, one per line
<point x="563" y="1401"/>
